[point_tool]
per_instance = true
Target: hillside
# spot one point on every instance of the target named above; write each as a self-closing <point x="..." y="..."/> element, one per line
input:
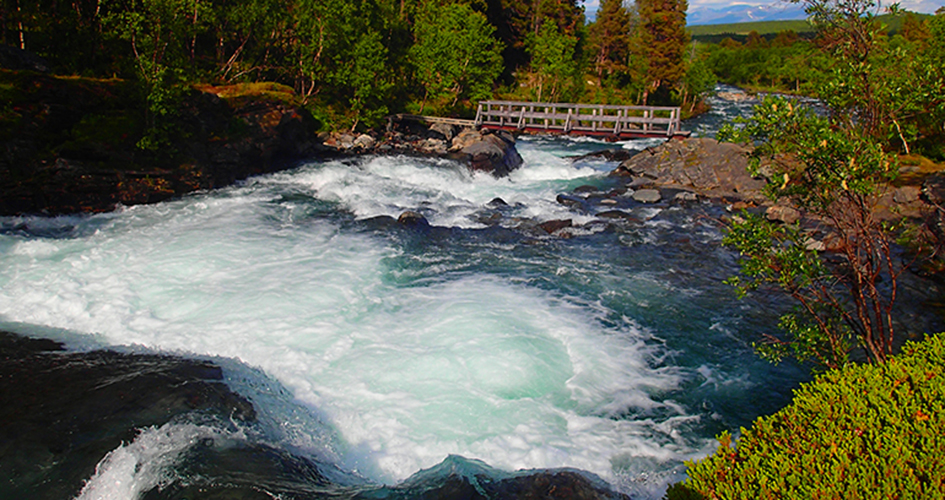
<point x="709" y="32"/>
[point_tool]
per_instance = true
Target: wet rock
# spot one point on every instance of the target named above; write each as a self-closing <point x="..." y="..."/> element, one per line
<point x="379" y="222"/>
<point x="586" y="189"/>
<point x="686" y="196"/>
<point x="63" y="411"/>
<point x="783" y="214"/>
<point x="497" y="203"/>
<point x="458" y="478"/>
<point x="608" y="201"/>
<point x="607" y="154"/>
<point x="701" y="165"/>
<point x="647" y="196"/>
<point x="568" y="201"/>
<point x="552" y="226"/>
<point x="413" y="219"/>
<point x="618" y="214"/>
<point x="487" y="151"/>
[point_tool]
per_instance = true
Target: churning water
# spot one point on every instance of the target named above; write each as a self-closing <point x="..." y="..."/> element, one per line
<point x="382" y="349"/>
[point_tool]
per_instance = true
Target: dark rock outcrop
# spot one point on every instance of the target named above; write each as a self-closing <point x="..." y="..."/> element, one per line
<point x="16" y="59"/>
<point x="71" y="145"/>
<point x="63" y="411"/>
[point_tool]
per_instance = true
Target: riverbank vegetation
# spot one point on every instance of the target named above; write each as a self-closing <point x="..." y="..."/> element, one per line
<point x="354" y="62"/>
<point x="866" y="431"/>
<point x="880" y="101"/>
<point x="860" y="430"/>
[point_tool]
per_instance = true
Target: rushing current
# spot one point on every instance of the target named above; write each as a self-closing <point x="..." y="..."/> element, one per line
<point x="383" y="349"/>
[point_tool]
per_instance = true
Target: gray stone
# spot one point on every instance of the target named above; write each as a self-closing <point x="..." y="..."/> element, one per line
<point x="702" y="165"/>
<point x="364" y="141"/>
<point x="444" y="130"/>
<point x="906" y="194"/>
<point x="814" y="245"/>
<point x="686" y="196"/>
<point x="647" y="196"/>
<point x="780" y="213"/>
<point x="486" y="151"/>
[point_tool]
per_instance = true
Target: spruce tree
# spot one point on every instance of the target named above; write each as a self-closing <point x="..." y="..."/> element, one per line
<point x="609" y="38"/>
<point x="665" y="40"/>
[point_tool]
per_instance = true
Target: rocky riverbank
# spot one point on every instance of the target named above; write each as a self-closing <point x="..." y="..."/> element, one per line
<point x="64" y="411"/>
<point x="71" y="144"/>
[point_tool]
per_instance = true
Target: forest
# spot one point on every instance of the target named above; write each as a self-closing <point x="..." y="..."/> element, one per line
<point x="354" y="62"/>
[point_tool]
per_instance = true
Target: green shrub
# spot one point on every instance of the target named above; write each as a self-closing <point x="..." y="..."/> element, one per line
<point x="861" y="432"/>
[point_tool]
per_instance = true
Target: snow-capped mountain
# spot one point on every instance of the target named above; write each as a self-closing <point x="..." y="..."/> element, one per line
<point x="743" y="13"/>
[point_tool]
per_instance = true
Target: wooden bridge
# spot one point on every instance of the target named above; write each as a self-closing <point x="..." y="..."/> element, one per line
<point x="608" y="121"/>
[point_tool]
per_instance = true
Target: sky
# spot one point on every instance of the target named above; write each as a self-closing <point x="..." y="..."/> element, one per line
<point x="695" y="6"/>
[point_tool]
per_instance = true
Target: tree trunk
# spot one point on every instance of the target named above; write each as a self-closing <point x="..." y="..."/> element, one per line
<point x="19" y="21"/>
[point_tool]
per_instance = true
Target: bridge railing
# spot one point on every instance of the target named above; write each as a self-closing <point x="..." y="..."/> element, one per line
<point x="599" y="119"/>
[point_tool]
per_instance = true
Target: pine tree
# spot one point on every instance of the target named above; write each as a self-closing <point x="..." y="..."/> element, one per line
<point x="609" y="38"/>
<point x="665" y="40"/>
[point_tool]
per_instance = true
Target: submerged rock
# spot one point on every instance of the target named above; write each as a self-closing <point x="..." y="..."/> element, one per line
<point x="553" y="226"/>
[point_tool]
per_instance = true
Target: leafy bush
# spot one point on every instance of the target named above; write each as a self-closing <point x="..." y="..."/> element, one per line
<point x="862" y="432"/>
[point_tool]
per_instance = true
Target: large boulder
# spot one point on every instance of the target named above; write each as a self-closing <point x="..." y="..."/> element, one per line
<point x="488" y="151"/>
<point x="702" y="165"/>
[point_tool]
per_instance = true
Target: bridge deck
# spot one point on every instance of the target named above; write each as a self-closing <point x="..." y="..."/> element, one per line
<point x="607" y="121"/>
<point x="581" y="119"/>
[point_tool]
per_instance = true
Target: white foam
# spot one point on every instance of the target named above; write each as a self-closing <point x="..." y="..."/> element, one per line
<point x="476" y="365"/>
<point x="135" y="468"/>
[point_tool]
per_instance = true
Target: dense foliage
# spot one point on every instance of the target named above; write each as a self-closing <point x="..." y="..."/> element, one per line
<point x="863" y="432"/>
<point x="884" y="70"/>
<point x="836" y="168"/>
<point x="354" y="61"/>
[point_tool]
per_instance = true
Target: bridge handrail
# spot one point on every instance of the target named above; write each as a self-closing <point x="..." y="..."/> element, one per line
<point x="579" y="106"/>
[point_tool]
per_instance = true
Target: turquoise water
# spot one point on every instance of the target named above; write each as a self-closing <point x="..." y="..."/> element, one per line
<point x="383" y="349"/>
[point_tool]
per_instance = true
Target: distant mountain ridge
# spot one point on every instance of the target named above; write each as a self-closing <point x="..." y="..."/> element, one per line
<point x="742" y="13"/>
<point x="706" y="32"/>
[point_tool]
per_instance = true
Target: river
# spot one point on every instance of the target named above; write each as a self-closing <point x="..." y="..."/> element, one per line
<point x="381" y="350"/>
